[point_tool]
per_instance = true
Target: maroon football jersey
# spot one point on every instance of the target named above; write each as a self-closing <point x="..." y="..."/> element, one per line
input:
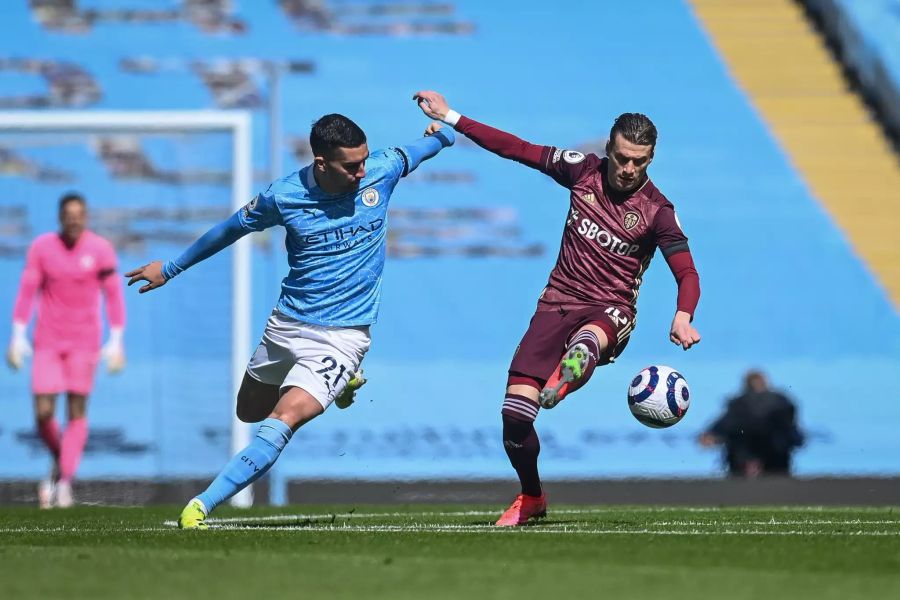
<point x="609" y="238"/>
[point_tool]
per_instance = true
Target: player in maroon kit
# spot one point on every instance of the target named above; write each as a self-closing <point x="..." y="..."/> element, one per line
<point x="617" y="219"/>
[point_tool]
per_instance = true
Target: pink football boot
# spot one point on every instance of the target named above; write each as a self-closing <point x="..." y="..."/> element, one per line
<point x="523" y="508"/>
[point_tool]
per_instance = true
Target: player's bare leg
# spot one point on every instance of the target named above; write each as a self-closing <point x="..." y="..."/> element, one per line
<point x="294" y="408"/>
<point x="72" y="443"/>
<point x="576" y="366"/>
<point x="256" y="400"/>
<point x="520" y="440"/>
<point x="48" y="431"/>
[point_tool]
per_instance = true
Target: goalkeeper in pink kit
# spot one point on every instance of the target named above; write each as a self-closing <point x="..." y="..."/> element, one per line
<point x="65" y="274"/>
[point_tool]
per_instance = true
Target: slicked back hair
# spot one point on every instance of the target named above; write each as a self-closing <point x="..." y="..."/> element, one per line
<point x="634" y="127"/>
<point x="71" y="197"/>
<point x="334" y="131"/>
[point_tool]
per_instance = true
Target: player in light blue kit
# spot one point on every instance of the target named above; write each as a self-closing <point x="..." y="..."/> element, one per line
<point x="335" y="213"/>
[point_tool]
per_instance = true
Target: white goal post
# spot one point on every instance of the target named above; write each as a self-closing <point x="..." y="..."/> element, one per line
<point x="238" y="123"/>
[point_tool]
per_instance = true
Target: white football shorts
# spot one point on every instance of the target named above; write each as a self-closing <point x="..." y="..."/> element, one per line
<point x="318" y="359"/>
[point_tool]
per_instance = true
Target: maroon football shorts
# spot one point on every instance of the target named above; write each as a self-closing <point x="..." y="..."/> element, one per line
<point x="549" y="332"/>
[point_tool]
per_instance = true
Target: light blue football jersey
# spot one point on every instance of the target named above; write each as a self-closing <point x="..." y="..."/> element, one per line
<point x="336" y="244"/>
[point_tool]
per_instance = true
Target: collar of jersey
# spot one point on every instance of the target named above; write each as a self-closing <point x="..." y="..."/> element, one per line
<point x="312" y="184"/>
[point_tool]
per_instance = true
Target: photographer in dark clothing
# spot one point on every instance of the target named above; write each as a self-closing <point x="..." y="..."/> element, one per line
<point x="758" y="430"/>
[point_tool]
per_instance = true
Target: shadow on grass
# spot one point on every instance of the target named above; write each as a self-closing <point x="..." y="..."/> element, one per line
<point x="531" y="523"/>
<point x="281" y="522"/>
<point x="339" y="521"/>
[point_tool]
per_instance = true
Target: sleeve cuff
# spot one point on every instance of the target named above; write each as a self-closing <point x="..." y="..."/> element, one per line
<point x="115" y="336"/>
<point x="445" y="136"/>
<point x="170" y="269"/>
<point x="452" y="118"/>
<point x="685" y="309"/>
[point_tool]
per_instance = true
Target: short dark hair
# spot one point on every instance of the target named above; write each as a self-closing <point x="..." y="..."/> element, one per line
<point x="755" y="380"/>
<point x="634" y="127"/>
<point x="334" y="131"/>
<point x="71" y="197"/>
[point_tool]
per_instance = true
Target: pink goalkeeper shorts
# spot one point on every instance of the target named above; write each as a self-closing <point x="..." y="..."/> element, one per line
<point x="55" y="371"/>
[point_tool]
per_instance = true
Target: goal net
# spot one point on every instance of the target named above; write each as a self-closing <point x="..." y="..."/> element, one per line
<point x="153" y="181"/>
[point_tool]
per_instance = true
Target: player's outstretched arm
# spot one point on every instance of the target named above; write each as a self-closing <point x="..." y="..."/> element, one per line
<point x="499" y="142"/>
<point x="436" y="139"/>
<point x="157" y="273"/>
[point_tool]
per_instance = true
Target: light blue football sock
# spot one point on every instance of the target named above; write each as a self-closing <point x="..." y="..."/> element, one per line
<point x="249" y="464"/>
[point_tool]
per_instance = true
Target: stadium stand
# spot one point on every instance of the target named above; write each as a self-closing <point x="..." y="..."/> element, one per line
<point x="865" y="34"/>
<point x="825" y="128"/>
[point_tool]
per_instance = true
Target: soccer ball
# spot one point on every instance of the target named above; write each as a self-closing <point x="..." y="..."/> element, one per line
<point x="659" y="396"/>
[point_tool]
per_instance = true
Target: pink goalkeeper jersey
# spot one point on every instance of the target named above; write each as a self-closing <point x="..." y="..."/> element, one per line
<point x="67" y="283"/>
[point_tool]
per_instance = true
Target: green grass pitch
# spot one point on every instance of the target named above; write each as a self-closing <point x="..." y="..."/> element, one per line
<point x="428" y="552"/>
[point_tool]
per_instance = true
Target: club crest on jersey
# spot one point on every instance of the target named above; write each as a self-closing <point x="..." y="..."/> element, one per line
<point x="573" y="157"/>
<point x="370" y="197"/>
<point x="86" y="262"/>
<point x="631" y="219"/>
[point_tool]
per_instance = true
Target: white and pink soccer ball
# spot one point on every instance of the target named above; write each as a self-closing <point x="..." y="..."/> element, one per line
<point x="659" y="396"/>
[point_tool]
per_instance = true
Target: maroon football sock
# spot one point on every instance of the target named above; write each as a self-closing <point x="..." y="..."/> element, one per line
<point x="520" y="440"/>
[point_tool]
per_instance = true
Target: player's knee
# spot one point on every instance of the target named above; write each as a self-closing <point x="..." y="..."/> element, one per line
<point x="77" y="412"/>
<point x="600" y="334"/>
<point x="521" y="401"/>
<point x="524" y="385"/>
<point x="77" y="406"/>
<point x="296" y="408"/>
<point x="44" y="407"/>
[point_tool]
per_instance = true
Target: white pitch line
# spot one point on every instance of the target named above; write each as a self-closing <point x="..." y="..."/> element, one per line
<point x="165" y="527"/>
<point x="774" y="522"/>
<point x="336" y="521"/>
<point x="549" y="529"/>
<point x="538" y="529"/>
